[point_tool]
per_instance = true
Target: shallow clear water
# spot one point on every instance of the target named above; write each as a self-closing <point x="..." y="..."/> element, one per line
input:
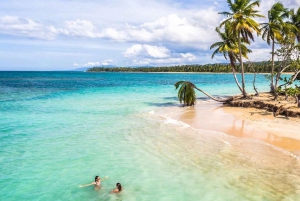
<point x="60" y="129"/>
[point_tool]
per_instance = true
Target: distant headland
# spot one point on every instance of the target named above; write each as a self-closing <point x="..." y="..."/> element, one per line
<point x="250" y="67"/>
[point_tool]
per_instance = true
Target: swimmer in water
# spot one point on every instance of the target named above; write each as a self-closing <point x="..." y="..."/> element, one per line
<point x="118" y="188"/>
<point x="97" y="183"/>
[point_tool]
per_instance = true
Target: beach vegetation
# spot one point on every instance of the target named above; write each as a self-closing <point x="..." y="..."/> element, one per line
<point x="293" y="92"/>
<point x="272" y="32"/>
<point x="289" y="56"/>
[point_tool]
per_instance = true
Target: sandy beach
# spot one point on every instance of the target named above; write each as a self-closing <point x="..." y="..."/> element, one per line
<point x="244" y="122"/>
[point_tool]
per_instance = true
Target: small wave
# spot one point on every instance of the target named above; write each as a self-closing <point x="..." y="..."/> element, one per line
<point x="257" y="141"/>
<point x="286" y="152"/>
<point x="176" y="122"/>
<point x="222" y="136"/>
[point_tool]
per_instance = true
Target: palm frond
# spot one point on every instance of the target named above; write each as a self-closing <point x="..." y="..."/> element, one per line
<point x="186" y="92"/>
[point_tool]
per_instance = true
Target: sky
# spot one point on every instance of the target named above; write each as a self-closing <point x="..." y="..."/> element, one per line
<point x="69" y="34"/>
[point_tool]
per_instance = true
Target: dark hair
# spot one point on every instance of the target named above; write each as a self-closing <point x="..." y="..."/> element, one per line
<point x="96" y="177"/>
<point x="119" y="186"/>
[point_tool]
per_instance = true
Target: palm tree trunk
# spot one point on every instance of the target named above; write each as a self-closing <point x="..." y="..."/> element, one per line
<point x="215" y="99"/>
<point x="242" y="67"/>
<point x="235" y="78"/>
<point x="272" y="70"/>
<point x="255" y="89"/>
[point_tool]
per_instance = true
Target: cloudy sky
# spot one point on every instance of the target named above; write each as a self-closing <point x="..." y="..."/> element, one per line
<point x="69" y="34"/>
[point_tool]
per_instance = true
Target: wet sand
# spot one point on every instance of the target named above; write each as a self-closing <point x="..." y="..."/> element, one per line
<point x="243" y="122"/>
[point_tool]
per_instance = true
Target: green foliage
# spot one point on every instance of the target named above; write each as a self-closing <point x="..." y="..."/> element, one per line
<point x="279" y="90"/>
<point x="288" y="91"/>
<point x="269" y="76"/>
<point x="295" y="20"/>
<point x="293" y="91"/>
<point x="288" y="81"/>
<point x="273" y="30"/>
<point x="259" y="67"/>
<point x="241" y="18"/>
<point x="228" y="46"/>
<point x="186" y="92"/>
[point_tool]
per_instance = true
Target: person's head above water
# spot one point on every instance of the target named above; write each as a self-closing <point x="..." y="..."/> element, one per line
<point x="97" y="178"/>
<point x="119" y="186"/>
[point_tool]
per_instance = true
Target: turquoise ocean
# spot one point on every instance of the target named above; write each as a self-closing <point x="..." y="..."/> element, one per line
<point x="60" y="129"/>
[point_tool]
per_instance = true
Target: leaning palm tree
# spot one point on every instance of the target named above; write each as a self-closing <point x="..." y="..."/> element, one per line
<point x="242" y="26"/>
<point x="187" y="94"/>
<point x="272" y="31"/>
<point x="229" y="48"/>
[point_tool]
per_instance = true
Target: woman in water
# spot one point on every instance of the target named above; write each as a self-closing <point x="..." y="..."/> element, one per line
<point x="118" y="188"/>
<point x="97" y="183"/>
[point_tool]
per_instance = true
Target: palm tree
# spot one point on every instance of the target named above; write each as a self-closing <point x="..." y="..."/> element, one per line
<point x="187" y="94"/>
<point x="242" y="26"/>
<point x="273" y="31"/>
<point x="295" y="20"/>
<point x="229" y="48"/>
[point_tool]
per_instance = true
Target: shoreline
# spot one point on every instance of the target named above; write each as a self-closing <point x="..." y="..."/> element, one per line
<point x="244" y="123"/>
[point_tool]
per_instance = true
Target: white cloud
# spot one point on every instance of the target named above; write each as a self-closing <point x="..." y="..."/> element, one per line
<point x="147" y="51"/>
<point x="96" y="63"/>
<point x="167" y="61"/>
<point x="107" y="62"/>
<point x="25" y="27"/>
<point x="167" y="31"/>
<point x="260" y="55"/>
<point x="14" y="25"/>
<point x="148" y="54"/>
<point x="188" y="56"/>
<point x="196" y="29"/>
<point x="88" y="64"/>
<point x="82" y="28"/>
